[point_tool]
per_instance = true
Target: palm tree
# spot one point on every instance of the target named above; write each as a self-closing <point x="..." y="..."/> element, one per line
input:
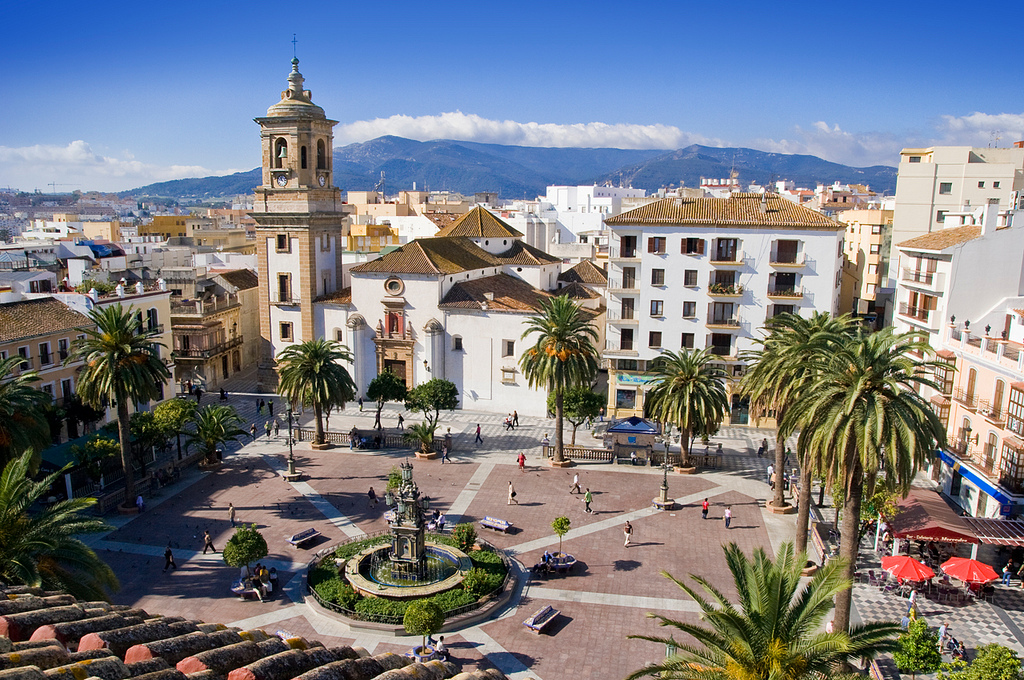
<point x="779" y="371"/>
<point x="774" y="631"/>
<point x="312" y="374"/>
<point x="562" y="356"/>
<point x="23" y="423"/>
<point x="40" y="547"/>
<point x="215" y="425"/>
<point x="122" y="365"/>
<point x="422" y="434"/>
<point x="688" y="391"/>
<point x="859" y="411"/>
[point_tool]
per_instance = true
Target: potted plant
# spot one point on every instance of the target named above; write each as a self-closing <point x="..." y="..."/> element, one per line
<point x="561" y="527"/>
<point x="424" y="618"/>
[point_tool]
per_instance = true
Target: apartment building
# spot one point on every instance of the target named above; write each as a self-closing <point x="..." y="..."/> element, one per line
<point x="708" y="272"/>
<point x="868" y="240"/>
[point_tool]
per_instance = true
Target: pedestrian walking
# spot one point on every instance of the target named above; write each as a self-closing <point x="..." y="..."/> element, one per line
<point x="588" y="498"/>
<point x="231" y="514"/>
<point x="770" y="472"/>
<point x="479" y="439"/>
<point x="207" y="542"/>
<point x="943" y="632"/>
<point x="360" y="404"/>
<point x="371" y="497"/>
<point x="600" y="415"/>
<point x="512" y="494"/>
<point x="575" y="488"/>
<point x="140" y="503"/>
<point x="728" y="516"/>
<point x="268" y="427"/>
<point x="704" y="507"/>
<point x="911" y="601"/>
<point x="522" y="462"/>
<point x="169" y="558"/>
<point x="508" y="422"/>
<point x="252" y="431"/>
<point x="764" y="444"/>
<point x="444" y="455"/>
<point x="259" y="407"/>
<point x="760" y="451"/>
<point x="270" y="407"/>
<point x="401" y="422"/>
<point x="199" y="394"/>
<point x="628" y="532"/>
<point x="277" y="427"/>
<point x="515" y="418"/>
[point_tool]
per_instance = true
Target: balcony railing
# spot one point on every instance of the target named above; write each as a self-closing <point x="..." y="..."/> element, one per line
<point x="726" y="260"/>
<point x="26" y="364"/>
<point x="787" y="259"/>
<point x="993" y="414"/>
<point x="621" y="315"/>
<point x="915" y="276"/>
<point x="985" y="463"/>
<point x="721" y="350"/>
<point x="45" y="360"/>
<point x="154" y="328"/>
<point x="959" y="446"/>
<point x="794" y="292"/>
<point x="204" y="353"/>
<point x="724" y="322"/>
<point x="968" y="399"/>
<point x="916" y="313"/>
<point x="616" y="284"/>
<point x="725" y="289"/>
<point x="617" y="252"/>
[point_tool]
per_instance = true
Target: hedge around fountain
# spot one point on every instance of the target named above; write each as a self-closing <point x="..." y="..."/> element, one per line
<point x="487" y="575"/>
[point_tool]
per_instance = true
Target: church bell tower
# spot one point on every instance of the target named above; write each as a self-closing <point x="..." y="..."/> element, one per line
<point x="300" y="223"/>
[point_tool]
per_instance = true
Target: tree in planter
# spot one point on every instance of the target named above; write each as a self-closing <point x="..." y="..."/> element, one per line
<point x="245" y="547"/>
<point x="312" y="373"/>
<point x="146" y="431"/>
<point x="214" y="426"/>
<point x="384" y="388"/>
<point x="992" y="662"/>
<point x="917" y="650"/>
<point x="578" y="404"/>
<point x="431" y="398"/>
<point x="423" y="617"/>
<point x="173" y="415"/>
<point x="423" y="433"/>
<point x="561" y="527"/>
<point x="465" y="536"/>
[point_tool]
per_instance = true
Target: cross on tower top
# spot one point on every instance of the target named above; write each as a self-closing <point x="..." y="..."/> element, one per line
<point x="294" y="43"/>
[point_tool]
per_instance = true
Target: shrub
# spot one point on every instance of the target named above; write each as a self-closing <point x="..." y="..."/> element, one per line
<point x="918" y="650"/>
<point x="394" y="478"/>
<point x="381" y="606"/>
<point x="480" y="582"/>
<point x="338" y="591"/>
<point x="443" y="539"/>
<point x="245" y="547"/>
<point x="347" y="550"/>
<point x="465" y="536"/>
<point x="452" y="599"/>
<point x="992" y="662"/>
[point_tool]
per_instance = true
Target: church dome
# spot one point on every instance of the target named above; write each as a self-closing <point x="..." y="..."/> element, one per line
<point x="295" y="102"/>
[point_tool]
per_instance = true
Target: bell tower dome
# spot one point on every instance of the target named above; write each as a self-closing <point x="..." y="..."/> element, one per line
<point x="298" y="141"/>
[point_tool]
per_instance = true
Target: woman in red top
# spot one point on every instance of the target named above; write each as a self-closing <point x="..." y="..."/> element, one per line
<point x="522" y="462"/>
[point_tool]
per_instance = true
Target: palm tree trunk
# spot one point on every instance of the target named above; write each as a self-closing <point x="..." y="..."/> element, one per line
<point x="124" y="434"/>
<point x="318" y="414"/>
<point x="684" y="446"/>
<point x="803" y="518"/>
<point x="848" y="544"/>
<point x="559" y="439"/>
<point x="779" y="499"/>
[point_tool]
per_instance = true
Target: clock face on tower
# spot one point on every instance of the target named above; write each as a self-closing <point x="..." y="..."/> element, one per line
<point x="282" y="180"/>
<point x="322" y="179"/>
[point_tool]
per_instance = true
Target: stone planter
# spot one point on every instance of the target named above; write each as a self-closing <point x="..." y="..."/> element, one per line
<point x="560" y="464"/>
<point x="685" y="469"/>
<point x="426" y="455"/>
<point x="321" y="447"/>
<point x="127" y="509"/>
<point x="785" y="509"/>
<point x="809" y="569"/>
<point x="210" y="467"/>
<point x="424" y="654"/>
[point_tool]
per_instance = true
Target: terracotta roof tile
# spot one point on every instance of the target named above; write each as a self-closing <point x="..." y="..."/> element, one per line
<point x="509" y="295"/>
<point x="340" y="297"/>
<point x="738" y="210"/>
<point x="42" y="316"/>
<point x="479" y="223"/>
<point x="438" y="255"/>
<point x="523" y="253"/>
<point x="577" y="291"/>
<point x="943" y="238"/>
<point x="585" y="272"/>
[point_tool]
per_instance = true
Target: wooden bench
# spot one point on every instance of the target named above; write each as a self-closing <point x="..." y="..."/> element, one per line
<point x="496" y="524"/>
<point x="303" y="537"/>
<point x="540" y="619"/>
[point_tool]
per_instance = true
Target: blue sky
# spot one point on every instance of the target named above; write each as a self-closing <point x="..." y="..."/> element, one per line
<point x="115" y="95"/>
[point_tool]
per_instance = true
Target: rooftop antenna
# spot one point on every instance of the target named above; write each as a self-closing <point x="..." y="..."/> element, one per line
<point x="295" y="42"/>
<point x="994" y="138"/>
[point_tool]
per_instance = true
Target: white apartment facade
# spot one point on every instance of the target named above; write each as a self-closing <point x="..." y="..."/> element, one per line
<point x="708" y="272"/>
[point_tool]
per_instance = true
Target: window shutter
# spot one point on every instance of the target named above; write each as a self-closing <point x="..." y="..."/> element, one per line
<point x="700" y="247"/>
<point x="651" y="244"/>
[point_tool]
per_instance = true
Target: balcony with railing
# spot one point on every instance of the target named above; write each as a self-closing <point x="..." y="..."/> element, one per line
<point x="929" y="280"/>
<point x="622" y="316"/>
<point x="725" y="290"/>
<point x="992" y="413"/>
<point x="958" y="446"/>
<point x="620" y="347"/>
<point x="723" y="321"/>
<point x="26" y="364"/>
<point x="618" y="284"/>
<point x="985" y="460"/>
<point x="787" y="258"/>
<point x="785" y="292"/>
<point x="217" y="303"/>
<point x="725" y="259"/>
<point x="968" y="399"/>
<point x="200" y="346"/>
<point x="919" y="316"/>
<point x="617" y="252"/>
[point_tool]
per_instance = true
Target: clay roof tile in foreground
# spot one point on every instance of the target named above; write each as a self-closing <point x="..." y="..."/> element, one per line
<point x="42" y="316"/>
<point x="585" y="272"/>
<point x="498" y="293"/>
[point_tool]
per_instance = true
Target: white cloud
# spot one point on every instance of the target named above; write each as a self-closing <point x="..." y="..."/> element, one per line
<point x="474" y="128"/>
<point x="837" y="145"/>
<point x="32" y="167"/>
<point x="981" y="129"/>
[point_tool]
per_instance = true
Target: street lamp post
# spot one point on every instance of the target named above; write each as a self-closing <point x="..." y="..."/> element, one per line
<point x="663" y="502"/>
<point x="291" y="452"/>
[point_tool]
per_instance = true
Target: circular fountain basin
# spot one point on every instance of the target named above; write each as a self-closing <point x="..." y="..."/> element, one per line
<point x="359" y="577"/>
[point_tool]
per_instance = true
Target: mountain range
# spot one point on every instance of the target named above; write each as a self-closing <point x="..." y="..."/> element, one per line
<point x="524" y="171"/>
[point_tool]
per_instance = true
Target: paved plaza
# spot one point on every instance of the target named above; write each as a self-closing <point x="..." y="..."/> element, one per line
<point x="604" y="600"/>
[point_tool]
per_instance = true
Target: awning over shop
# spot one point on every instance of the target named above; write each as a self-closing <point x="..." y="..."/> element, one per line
<point x="924" y="516"/>
<point x="997" y="531"/>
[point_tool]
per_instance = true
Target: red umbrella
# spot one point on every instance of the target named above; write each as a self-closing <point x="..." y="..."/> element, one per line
<point x="970" y="571"/>
<point x="907" y="568"/>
